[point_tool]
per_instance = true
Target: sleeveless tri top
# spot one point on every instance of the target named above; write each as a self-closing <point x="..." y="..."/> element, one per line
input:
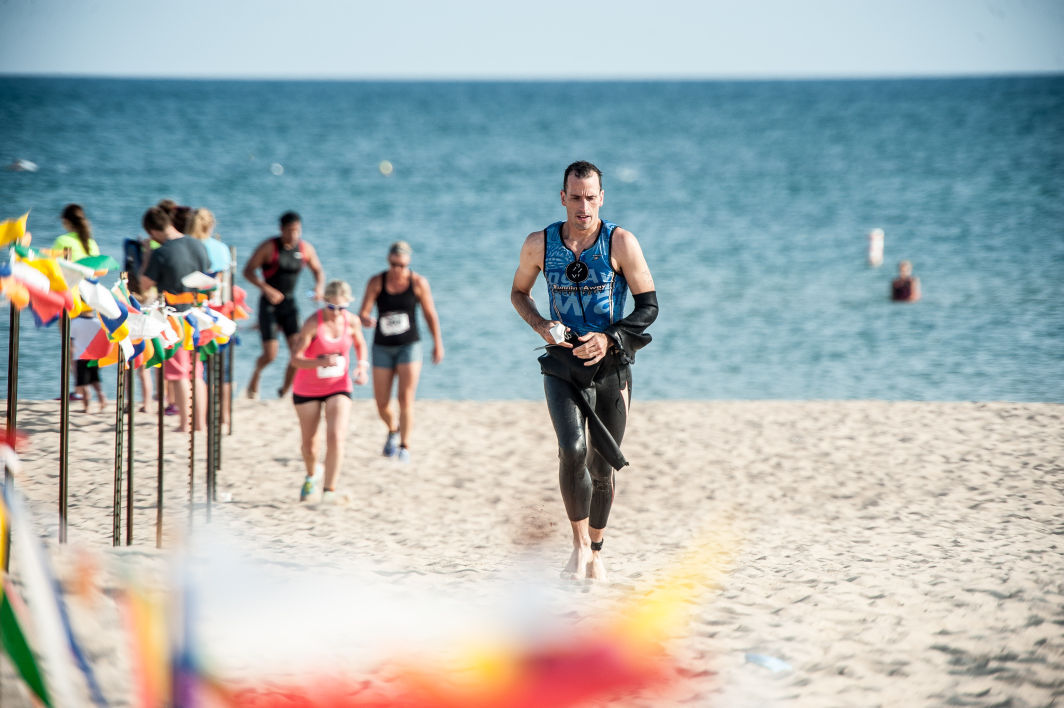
<point x="901" y="289"/>
<point x="326" y="380"/>
<point x="586" y="295"/>
<point x="282" y="270"/>
<point x="396" y="315"/>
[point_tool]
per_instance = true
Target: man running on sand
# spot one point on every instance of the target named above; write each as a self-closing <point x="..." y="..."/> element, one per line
<point x="282" y="259"/>
<point x="589" y="265"/>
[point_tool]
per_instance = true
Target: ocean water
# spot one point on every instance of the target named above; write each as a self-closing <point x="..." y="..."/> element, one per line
<point x="752" y="201"/>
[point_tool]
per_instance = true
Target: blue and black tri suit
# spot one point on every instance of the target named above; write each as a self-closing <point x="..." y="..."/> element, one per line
<point x="587" y="295"/>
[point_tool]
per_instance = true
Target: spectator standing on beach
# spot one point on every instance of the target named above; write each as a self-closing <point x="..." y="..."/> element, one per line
<point x="906" y="287"/>
<point x="322" y="383"/>
<point x="589" y="265"/>
<point x="396" y="293"/>
<point x="177" y="256"/>
<point x="282" y="259"/>
<point x="181" y="218"/>
<point x="75" y="244"/>
<point x="220" y="258"/>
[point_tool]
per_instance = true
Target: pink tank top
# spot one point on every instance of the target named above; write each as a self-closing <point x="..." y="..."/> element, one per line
<point x="326" y="380"/>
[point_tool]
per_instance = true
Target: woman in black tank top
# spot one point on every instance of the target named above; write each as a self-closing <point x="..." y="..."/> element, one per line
<point x="396" y="314"/>
<point x="396" y="345"/>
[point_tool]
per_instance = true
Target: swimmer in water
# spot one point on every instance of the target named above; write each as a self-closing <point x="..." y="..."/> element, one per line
<point x="589" y="265"/>
<point x="906" y="287"/>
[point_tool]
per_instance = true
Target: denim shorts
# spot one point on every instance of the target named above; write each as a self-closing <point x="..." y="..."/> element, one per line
<point x="389" y="357"/>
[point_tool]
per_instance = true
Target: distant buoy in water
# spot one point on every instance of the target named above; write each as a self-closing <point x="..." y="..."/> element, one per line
<point x="277" y="168"/>
<point x="875" y="247"/>
<point x="385" y="167"/>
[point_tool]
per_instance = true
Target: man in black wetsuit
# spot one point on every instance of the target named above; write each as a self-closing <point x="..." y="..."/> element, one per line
<point x="281" y="259"/>
<point x="590" y="265"/>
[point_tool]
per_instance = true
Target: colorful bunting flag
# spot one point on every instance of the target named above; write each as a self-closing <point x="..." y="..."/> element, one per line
<point x="13" y="230"/>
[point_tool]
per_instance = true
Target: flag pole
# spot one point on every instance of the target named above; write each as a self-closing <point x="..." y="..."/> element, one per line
<point x="160" y="402"/>
<point x="120" y="396"/>
<point x="64" y="423"/>
<point x="129" y="455"/>
<point x="208" y="367"/>
<point x="229" y="351"/>
<point x="191" y="437"/>
<point x="130" y="390"/>
<point x="12" y="380"/>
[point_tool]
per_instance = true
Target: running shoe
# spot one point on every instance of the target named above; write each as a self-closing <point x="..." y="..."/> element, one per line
<point x="391" y="445"/>
<point x="333" y="498"/>
<point x="404" y="455"/>
<point x="308" y="488"/>
<point x="171" y="409"/>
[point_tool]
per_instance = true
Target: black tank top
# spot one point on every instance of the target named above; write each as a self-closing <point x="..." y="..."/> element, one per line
<point x="396" y="315"/>
<point x="282" y="271"/>
<point x="901" y="289"/>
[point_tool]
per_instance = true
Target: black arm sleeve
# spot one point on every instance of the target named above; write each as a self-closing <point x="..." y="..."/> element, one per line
<point x="628" y="335"/>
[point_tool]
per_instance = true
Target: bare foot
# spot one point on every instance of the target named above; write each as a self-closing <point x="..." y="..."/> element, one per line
<point x="579" y="561"/>
<point x="596" y="569"/>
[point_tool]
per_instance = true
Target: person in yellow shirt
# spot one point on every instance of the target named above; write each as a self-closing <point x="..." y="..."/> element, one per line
<point x="78" y="240"/>
<point x="76" y="244"/>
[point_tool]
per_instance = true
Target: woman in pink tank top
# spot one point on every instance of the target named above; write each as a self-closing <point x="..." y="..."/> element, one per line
<point x="322" y="359"/>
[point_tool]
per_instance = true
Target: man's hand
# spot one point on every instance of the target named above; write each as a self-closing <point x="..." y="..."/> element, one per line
<point x="275" y="296"/>
<point x="543" y="329"/>
<point x="594" y="348"/>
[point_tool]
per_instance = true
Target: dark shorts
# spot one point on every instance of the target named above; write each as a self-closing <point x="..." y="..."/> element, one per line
<point x="84" y="374"/>
<point x="285" y="316"/>
<point x="297" y="399"/>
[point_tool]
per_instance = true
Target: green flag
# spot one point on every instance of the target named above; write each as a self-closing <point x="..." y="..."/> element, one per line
<point x="19" y="651"/>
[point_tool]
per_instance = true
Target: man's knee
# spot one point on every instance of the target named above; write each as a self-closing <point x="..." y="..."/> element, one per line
<point x="601" y="481"/>
<point x="573" y="453"/>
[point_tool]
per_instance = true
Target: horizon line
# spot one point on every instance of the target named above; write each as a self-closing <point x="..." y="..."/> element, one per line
<point x="664" y="78"/>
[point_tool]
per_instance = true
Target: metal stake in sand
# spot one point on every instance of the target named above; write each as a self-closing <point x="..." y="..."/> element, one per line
<point x="209" y="367"/>
<point x="229" y="353"/>
<point x="160" y="388"/>
<point x="128" y="403"/>
<point x="192" y="437"/>
<point x="120" y="396"/>
<point x="64" y="422"/>
<point x="12" y="380"/>
<point x="129" y="456"/>
<point x="216" y="425"/>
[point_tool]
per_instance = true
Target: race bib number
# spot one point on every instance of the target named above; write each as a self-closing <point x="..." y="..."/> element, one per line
<point x="335" y="371"/>
<point x="393" y="323"/>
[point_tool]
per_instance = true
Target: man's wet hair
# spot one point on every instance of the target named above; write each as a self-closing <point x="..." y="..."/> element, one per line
<point x="581" y="169"/>
<point x="290" y="217"/>
<point x="156" y="219"/>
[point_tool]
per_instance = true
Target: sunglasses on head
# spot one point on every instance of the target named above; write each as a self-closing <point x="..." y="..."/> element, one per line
<point x="335" y="307"/>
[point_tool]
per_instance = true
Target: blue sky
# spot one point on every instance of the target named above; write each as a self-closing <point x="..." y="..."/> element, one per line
<point x="579" y="39"/>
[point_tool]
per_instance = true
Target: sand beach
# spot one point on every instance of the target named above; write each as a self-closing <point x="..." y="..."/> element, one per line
<point x="860" y="553"/>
